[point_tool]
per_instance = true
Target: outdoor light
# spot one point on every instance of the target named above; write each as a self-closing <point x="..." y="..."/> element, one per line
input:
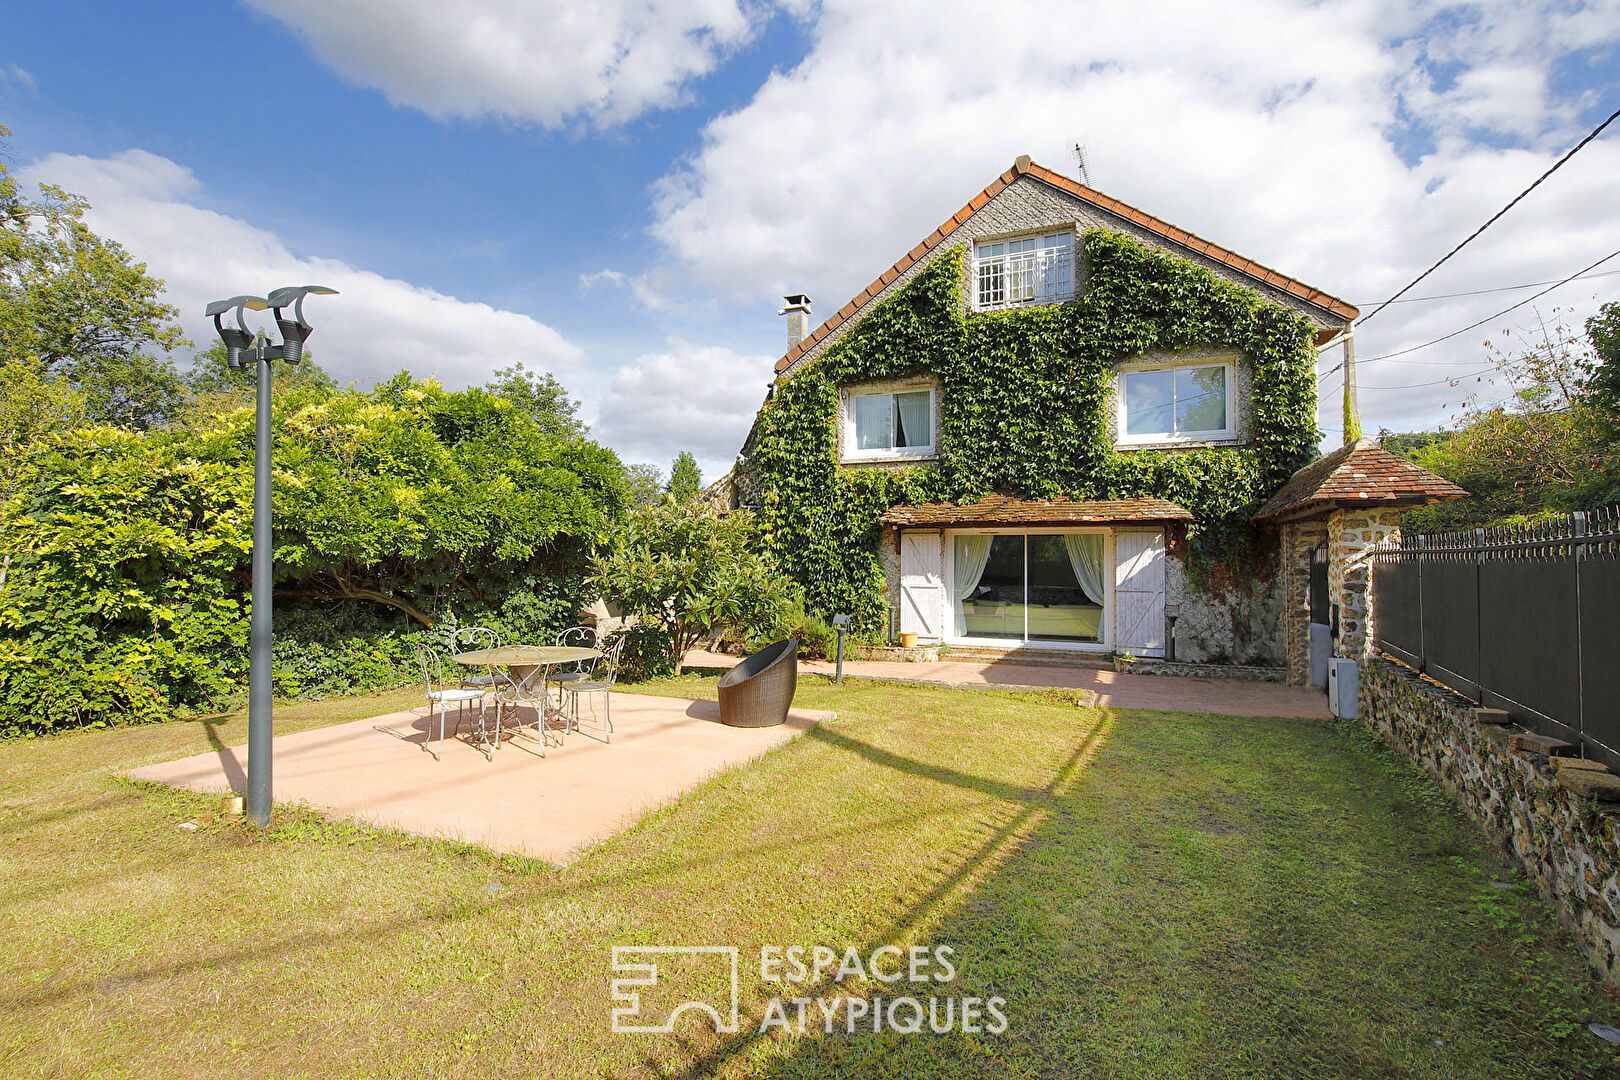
<point x="236" y="338"/>
<point x="294" y="331"/>
<point x="841" y="624"/>
<point x="1171" y="613"/>
<point x="241" y="346"/>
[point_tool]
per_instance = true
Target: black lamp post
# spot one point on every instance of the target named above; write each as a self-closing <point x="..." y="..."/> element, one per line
<point x="242" y="347"/>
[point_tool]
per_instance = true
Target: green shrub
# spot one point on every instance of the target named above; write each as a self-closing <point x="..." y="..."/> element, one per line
<point x="649" y="653"/>
<point x="124" y="597"/>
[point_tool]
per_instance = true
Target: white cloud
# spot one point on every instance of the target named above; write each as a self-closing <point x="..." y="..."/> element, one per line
<point x="19" y="75"/>
<point x="693" y="397"/>
<point x="587" y="282"/>
<point x="608" y="61"/>
<point x="1346" y="144"/>
<point x="375" y="328"/>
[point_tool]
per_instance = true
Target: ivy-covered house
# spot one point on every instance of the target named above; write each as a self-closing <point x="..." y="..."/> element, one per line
<point x="1047" y="426"/>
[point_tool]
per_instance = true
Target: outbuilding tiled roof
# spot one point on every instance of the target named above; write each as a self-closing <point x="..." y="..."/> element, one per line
<point x="1022" y="166"/>
<point x="1361" y="474"/>
<point x="1005" y="510"/>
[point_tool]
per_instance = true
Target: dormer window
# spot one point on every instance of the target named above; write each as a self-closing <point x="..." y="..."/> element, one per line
<point x="1024" y="270"/>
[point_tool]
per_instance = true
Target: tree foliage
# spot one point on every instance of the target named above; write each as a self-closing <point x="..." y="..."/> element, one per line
<point x="685" y="480"/>
<point x="81" y="308"/>
<point x="685" y="572"/>
<point x="539" y="394"/>
<point x="405" y="507"/>
<point x="1550" y="447"/>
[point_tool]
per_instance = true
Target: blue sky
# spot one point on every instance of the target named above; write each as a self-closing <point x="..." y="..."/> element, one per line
<point x="621" y="192"/>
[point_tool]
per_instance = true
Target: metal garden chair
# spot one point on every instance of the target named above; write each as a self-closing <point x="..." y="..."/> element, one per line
<point x="581" y="637"/>
<point x="438" y="696"/>
<point x="604" y="672"/>
<point x="472" y="639"/>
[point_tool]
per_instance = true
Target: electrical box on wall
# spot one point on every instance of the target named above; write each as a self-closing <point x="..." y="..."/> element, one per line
<point x="1344" y="688"/>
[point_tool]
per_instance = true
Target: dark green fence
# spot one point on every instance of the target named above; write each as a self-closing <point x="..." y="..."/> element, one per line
<point x="1524" y="618"/>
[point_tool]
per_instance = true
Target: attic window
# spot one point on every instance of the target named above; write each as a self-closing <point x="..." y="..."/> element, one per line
<point x="1024" y="270"/>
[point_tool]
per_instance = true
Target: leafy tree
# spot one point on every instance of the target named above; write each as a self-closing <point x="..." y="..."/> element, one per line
<point x="684" y="572"/>
<point x="33" y="410"/>
<point x="646" y="484"/>
<point x="80" y="308"/>
<point x="1603" y="331"/>
<point x="685" y="481"/>
<point x="408" y="509"/>
<point x="1542" y="450"/>
<point x="540" y="395"/>
<point x="212" y="380"/>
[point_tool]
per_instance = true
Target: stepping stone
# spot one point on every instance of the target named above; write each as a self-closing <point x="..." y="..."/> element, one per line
<point x="1532" y="743"/>
<point x="1491" y="716"/>
<point x="1579" y="763"/>
<point x="1605" y="787"/>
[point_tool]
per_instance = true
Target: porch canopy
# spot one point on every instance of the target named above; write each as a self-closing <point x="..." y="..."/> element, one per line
<point x="1003" y="510"/>
<point x="1362" y="475"/>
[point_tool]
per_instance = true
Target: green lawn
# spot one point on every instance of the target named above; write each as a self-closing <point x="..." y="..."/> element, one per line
<point x="1154" y="895"/>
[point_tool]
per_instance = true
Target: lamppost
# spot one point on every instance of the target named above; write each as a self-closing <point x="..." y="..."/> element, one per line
<point x="242" y="347"/>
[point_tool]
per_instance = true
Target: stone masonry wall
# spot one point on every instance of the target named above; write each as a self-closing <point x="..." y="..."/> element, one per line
<point x="1299" y="539"/>
<point x="1558" y="817"/>
<point x="1351" y="536"/>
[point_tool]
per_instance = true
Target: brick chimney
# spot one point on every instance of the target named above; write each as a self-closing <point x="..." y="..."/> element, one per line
<point x="798" y="312"/>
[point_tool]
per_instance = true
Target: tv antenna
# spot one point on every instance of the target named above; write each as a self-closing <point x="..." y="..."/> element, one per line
<point x="1079" y="152"/>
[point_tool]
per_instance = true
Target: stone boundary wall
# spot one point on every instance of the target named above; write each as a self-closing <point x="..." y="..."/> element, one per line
<point x="1240" y="672"/>
<point x="1557" y="816"/>
<point x="922" y="654"/>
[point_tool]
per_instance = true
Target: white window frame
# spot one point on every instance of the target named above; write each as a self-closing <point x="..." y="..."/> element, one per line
<point x="1226" y="434"/>
<point x="1050" y="262"/>
<point x="1107" y="619"/>
<point x="852" y="452"/>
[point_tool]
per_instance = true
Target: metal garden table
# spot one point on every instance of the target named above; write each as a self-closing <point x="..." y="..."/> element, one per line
<point x="529" y="667"/>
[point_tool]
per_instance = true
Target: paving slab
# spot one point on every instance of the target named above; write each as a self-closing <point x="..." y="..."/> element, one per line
<point x="548" y="808"/>
<point x="1114" y="690"/>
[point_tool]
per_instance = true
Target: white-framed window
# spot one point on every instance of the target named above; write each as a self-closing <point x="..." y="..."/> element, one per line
<point x="1024" y="270"/>
<point x="1177" y="403"/>
<point x="894" y="424"/>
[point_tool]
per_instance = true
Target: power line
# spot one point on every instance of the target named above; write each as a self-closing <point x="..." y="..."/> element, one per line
<point x="1436" y="382"/>
<point x="1493" y="219"/>
<point x="1500" y="288"/>
<point x="1482" y="322"/>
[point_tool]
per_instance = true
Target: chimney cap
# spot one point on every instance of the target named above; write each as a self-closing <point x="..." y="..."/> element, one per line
<point x="795" y="302"/>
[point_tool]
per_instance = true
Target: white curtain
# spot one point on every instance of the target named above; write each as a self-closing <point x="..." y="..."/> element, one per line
<point x="972" y="553"/>
<point x="1086" y="558"/>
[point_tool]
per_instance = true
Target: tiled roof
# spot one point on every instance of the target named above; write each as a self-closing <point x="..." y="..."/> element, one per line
<point x="1022" y="166"/>
<point x="1004" y="510"/>
<point x="1363" y="473"/>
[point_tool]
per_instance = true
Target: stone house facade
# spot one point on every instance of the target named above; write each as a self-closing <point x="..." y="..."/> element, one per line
<point x="1097" y="575"/>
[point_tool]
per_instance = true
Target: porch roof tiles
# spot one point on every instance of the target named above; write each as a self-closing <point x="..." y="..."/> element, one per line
<point x="1005" y="510"/>
<point x="1361" y="474"/>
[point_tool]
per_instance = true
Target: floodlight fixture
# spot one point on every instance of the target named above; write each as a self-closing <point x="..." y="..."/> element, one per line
<point x="236" y="338"/>
<point x="296" y="330"/>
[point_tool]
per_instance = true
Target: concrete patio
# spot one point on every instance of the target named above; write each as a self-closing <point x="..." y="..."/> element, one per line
<point x="548" y="808"/>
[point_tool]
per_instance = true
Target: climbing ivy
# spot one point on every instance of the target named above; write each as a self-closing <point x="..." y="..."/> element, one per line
<point x="1024" y="411"/>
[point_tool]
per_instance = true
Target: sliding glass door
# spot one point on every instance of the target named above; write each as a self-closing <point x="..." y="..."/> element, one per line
<point x="1048" y="586"/>
<point x="989" y="577"/>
